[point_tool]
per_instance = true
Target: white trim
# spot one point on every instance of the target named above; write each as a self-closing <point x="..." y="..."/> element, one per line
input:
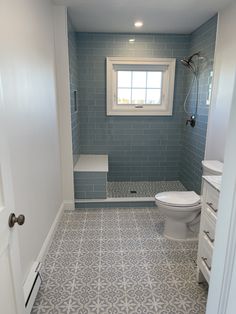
<point x="49" y="237"/>
<point x="30" y="280"/>
<point x="69" y="205"/>
<point x="116" y="199"/>
<point x="165" y="109"/>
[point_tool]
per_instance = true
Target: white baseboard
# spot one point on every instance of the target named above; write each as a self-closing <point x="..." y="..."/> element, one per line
<point x="33" y="280"/>
<point x="50" y="234"/>
<point x="69" y="205"/>
<point x="66" y="205"/>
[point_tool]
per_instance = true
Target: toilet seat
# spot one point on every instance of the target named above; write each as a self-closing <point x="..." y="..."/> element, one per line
<point x="178" y="199"/>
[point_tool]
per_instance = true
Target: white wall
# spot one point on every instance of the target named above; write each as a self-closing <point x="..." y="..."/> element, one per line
<point x="224" y="75"/>
<point x="27" y="80"/>
<point x="63" y="97"/>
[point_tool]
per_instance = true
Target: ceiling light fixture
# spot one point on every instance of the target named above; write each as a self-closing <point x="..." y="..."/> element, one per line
<point x="131" y="40"/>
<point x="138" y="24"/>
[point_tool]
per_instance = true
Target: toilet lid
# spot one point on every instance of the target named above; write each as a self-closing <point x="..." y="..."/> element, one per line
<point x="178" y="198"/>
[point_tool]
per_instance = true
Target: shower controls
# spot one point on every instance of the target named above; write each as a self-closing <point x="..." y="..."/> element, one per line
<point x="191" y="121"/>
<point x="193" y="65"/>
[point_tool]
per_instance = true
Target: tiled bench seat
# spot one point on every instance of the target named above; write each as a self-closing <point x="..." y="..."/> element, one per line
<point x="90" y="177"/>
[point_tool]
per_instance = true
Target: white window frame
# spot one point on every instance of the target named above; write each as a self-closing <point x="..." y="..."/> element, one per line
<point x="167" y="66"/>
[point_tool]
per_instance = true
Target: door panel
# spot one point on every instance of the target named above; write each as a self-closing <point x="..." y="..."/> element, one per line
<point x="11" y="287"/>
<point x="7" y="299"/>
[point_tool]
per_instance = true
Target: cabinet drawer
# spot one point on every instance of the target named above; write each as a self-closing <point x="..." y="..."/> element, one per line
<point x="211" y="200"/>
<point x="205" y="258"/>
<point x="207" y="231"/>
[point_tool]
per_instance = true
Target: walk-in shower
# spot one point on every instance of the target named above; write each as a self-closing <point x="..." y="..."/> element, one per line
<point x="146" y="154"/>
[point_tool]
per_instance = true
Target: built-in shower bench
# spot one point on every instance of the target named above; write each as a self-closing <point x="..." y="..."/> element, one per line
<point x="90" y="177"/>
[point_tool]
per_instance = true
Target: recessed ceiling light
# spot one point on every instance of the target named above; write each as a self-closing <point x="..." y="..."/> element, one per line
<point x="138" y="24"/>
<point x="131" y="40"/>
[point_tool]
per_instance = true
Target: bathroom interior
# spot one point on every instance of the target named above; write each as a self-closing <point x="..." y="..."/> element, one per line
<point x="136" y="112"/>
<point x="152" y="165"/>
<point x="137" y="159"/>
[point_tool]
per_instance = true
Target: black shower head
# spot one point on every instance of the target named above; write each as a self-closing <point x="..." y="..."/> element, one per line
<point x="188" y="60"/>
<point x="189" y="63"/>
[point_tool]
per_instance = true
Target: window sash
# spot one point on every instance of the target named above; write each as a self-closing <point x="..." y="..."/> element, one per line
<point x="165" y="65"/>
<point x="145" y="87"/>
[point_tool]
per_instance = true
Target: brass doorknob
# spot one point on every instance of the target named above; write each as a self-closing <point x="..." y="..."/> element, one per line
<point x="13" y="219"/>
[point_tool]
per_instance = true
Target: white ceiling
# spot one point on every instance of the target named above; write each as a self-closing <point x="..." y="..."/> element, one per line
<point x="158" y="16"/>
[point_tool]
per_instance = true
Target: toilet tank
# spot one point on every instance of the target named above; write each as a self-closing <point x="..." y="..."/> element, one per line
<point x="212" y="167"/>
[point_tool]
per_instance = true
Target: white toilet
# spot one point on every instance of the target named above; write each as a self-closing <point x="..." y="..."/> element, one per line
<point x="182" y="208"/>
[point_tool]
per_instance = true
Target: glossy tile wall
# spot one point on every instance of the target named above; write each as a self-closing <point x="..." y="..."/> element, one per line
<point x="139" y="148"/>
<point x="90" y="185"/>
<point x="193" y="146"/>
<point x="143" y="148"/>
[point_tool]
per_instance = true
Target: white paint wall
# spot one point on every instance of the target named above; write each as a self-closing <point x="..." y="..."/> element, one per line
<point x="27" y="80"/>
<point x="224" y="76"/>
<point x="63" y="97"/>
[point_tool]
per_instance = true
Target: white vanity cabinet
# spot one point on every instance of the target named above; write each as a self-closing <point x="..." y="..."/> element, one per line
<point x="210" y="199"/>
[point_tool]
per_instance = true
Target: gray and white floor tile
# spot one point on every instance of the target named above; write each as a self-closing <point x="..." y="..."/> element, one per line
<point x="116" y="261"/>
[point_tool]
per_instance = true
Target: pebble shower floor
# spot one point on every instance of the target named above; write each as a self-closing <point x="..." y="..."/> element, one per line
<point x="116" y="261"/>
<point x="142" y="188"/>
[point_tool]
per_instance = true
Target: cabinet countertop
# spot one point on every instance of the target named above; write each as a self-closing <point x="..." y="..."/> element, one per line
<point x="214" y="181"/>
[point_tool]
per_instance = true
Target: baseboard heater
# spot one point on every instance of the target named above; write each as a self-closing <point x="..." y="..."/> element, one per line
<point x="31" y="286"/>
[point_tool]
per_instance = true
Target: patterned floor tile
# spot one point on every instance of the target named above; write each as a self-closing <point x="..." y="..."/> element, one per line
<point x="116" y="261"/>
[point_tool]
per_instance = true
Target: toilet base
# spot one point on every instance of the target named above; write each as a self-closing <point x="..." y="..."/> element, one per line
<point x="176" y="230"/>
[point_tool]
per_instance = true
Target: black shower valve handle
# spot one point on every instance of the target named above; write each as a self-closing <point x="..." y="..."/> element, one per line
<point x="191" y="121"/>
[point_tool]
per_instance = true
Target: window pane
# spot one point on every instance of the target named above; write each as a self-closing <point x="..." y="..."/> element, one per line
<point x="138" y="96"/>
<point x="154" y="79"/>
<point x="139" y="79"/>
<point x="124" y="96"/>
<point x="124" y="78"/>
<point x="153" y="96"/>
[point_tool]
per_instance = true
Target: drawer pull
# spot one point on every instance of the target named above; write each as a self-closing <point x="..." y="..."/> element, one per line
<point x="207" y="233"/>
<point x="211" y="206"/>
<point x="205" y="262"/>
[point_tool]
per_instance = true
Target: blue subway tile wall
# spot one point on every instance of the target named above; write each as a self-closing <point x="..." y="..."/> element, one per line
<point x="90" y="185"/>
<point x="74" y="82"/>
<point x="139" y="148"/>
<point x="203" y="40"/>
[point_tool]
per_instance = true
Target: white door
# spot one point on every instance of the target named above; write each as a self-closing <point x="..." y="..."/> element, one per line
<point x="11" y="287"/>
